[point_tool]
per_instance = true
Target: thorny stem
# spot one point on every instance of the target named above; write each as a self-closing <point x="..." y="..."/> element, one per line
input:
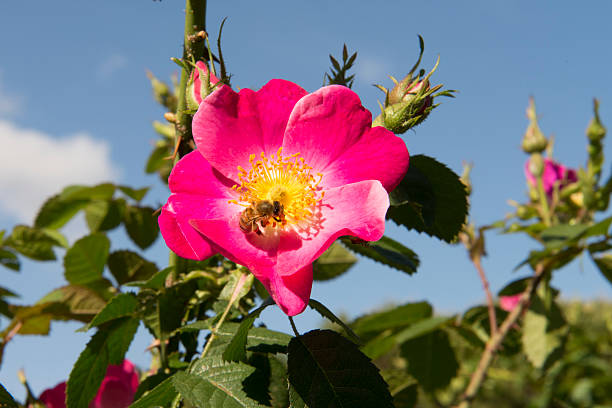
<point x="193" y="47"/>
<point x="495" y="341"/>
<point x="485" y="285"/>
<point x="233" y="299"/>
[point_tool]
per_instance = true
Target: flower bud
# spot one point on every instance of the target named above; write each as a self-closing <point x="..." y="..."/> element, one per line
<point x="201" y="84"/>
<point x="552" y="173"/>
<point x="162" y="93"/>
<point x="535" y="167"/>
<point x="596" y="131"/>
<point x="533" y="141"/>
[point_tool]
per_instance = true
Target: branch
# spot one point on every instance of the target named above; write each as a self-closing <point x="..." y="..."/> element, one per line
<point x="485" y="285"/>
<point x="495" y="341"/>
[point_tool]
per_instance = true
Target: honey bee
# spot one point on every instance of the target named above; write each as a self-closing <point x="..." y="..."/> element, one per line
<point x="261" y="212"/>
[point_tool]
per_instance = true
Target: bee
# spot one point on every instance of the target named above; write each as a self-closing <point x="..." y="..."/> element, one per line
<point x="261" y="212"/>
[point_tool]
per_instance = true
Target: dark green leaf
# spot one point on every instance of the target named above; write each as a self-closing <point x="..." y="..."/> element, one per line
<point x="379" y="345"/>
<point x="328" y="370"/>
<point x="84" y="261"/>
<point x="604" y="264"/>
<point x="107" y="346"/>
<point x="333" y="263"/>
<point x="431" y="360"/>
<point x="386" y="251"/>
<point x="431" y="198"/>
<point x="134" y="194"/>
<point x="215" y="383"/>
<point x="9" y="260"/>
<point x="398" y="317"/>
<point x="103" y="215"/>
<point x="56" y="212"/>
<point x="72" y="302"/>
<point x="141" y="225"/>
<point x="33" y="243"/>
<point x="406" y="396"/>
<point x="4" y="292"/>
<point x="236" y="349"/>
<point x="159" y="397"/>
<point x="127" y="266"/>
<point x="122" y="305"/>
<point x="6" y="399"/>
<point x="326" y="313"/>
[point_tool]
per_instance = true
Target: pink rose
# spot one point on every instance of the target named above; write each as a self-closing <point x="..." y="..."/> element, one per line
<point x="196" y="88"/>
<point x="278" y="176"/>
<point x="116" y="391"/>
<point x="508" y="303"/>
<point x="554" y="173"/>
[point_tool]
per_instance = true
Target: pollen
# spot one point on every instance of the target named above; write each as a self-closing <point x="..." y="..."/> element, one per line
<point x="286" y="179"/>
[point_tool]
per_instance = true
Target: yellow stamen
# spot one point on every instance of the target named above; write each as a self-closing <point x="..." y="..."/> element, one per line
<point x="287" y="180"/>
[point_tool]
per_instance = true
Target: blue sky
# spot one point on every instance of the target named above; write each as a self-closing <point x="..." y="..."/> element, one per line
<point x="75" y="106"/>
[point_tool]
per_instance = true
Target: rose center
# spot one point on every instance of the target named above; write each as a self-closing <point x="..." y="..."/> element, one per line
<point x="287" y="180"/>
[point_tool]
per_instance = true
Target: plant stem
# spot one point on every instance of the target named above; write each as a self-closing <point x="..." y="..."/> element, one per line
<point x="295" y="330"/>
<point x="485" y="285"/>
<point x="495" y="341"/>
<point x="235" y="295"/>
<point x="193" y="49"/>
<point x="543" y="202"/>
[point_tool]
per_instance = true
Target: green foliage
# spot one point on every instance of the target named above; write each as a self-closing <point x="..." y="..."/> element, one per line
<point x="122" y="305"/>
<point x="33" y="243"/>
<point x="107" y="346"/>
<point x="84" y="261"/>
<point x="127" y="266"/>
<point x="348" y="379"/>
<point x="338" y="73"/>
<point x="386" y="251"/>
<point x="160" y="396"/>
<point x="141" y="225"/>
<point x="332" y="263"/>
<point x="6" y="399"/>
<point x="431" y="198"/>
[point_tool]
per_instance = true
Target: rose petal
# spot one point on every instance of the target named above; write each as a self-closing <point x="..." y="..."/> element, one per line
<point x="332" y="132"/>
<point x="195" y="185"/>
<point x="228" y="126"/>
<point x="55" y="397"/>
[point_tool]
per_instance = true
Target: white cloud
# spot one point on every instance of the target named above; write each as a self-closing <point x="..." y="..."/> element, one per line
<point x="111" y="65"/>
<point x="371" y="70"/>
<point x="10" y="104"/>
<point x="35" y="165"/>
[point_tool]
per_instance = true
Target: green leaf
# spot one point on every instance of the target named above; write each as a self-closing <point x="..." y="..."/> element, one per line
<point x="159" y="397"/>
<point x="141" y="225"/>
<point x="134" y="194"/>
<point x="422" y="327"/>
<point x="158" y="159"/>
<point x="156" y="281"/>
<point x="6" y="399"/>
<point x="604" y="264"/>
<point x="386" y="251"/>
<point x="107" y="346"/>
<point x="544" y="332"/>
<point x="236" y="349"/>
<point x="31" y="242"/>
<point x="406" y="396"/>
<point x="328" y="370"/>
<point x="215" y="383"/>
<point x="431" y="360"/>
<point x="103" y="215"/>
<point x="431" y="198"/>
<point x="102" y="191"/>
<point x="56" y="212"/>
<point x="127" y="266"/>
<point x="84" y="261"/>
<point x="9" y="260"/>
<point x="326" y="313"/>
<point x="333" y="263"/>
<point x="122" y="305"/>
<point x="72" y="302"/>
<point x="398" y="317"/>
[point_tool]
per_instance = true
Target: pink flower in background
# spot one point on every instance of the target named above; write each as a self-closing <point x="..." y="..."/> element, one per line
<point x="116" y="391"/>
<point x="508" y="303"/>
<point x="197" y="82"/>
<point x="554" y="173"/>
<point x="278" y="175"/>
